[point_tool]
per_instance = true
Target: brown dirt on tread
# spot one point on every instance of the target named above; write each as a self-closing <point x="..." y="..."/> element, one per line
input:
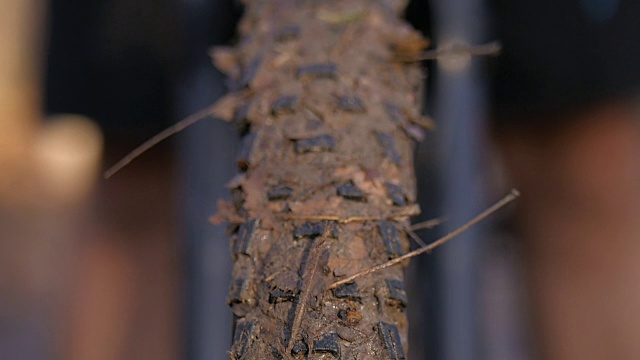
<point x="327" y="181"/>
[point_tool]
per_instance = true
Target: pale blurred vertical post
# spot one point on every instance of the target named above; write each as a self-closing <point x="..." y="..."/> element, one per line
<point x="21" y="25"/>
<point x="47" y="175"/>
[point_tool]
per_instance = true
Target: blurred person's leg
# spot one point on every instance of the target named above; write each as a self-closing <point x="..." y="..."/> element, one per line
<point x="580" y="218"/>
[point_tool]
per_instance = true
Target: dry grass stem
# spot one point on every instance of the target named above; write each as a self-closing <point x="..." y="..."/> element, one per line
<point x="429" y="224"/>
<point x="164" y="134"/>
<point x="405" y="212"/>
<point x="415" y="237"/>
<point x="495" y="207"/>
<point x="308" y="275"/>
<point x="490" y="49"/>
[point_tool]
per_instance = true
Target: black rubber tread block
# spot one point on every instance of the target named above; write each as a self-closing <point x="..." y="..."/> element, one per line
<point x="397" y="293"/>
<point x="235" y="291"/>
<point x="316" y="144"/>
<point x="398" y="117"/>
<point x="348" y="290"/>
<point x="350" y="191"/>
<point x="328" y="343"/>
<point x="242" y="337"/>
<point x="277" y="355"/>
<point x="238" y="291"/>
<point x="246" y="149"/>
<point x="278" y="295"/>
<point x="391" y="238"/>
<point x="240" y="118"/>
<point x="315" y="229"/>
<point x="248" y="74"/>
<point x="237" y="199"/>
<point x="396" y="194"/>
<point x="279" y="192"/>
<point x="317" y="71"/>
<point x="390" y="148"/>
<point x="300" y="348"/>
<point x="244" y="236"/>
<point x="351" y="104"/>
<point x="391" y="339"/>
<point x="284" y="104"/>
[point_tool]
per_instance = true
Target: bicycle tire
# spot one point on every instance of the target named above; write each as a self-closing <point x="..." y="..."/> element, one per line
<point x="326" y="184"/>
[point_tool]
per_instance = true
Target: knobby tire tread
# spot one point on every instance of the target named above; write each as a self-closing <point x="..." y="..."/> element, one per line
<point x="326" y="182"/>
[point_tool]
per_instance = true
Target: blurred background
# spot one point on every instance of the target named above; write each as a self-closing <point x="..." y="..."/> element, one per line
<point x="130" y="268"/>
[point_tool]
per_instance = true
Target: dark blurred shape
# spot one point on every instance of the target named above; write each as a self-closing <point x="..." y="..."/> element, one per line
<point x="115" y="61"/>
<point x="563" y="54"/>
